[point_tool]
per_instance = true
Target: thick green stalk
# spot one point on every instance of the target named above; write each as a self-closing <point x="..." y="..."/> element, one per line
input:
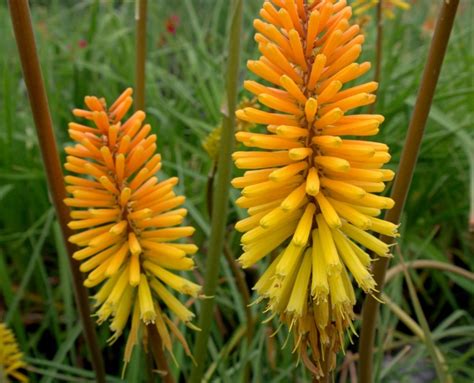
<point x="21" y="20"/>
<point x="221" y="195"/>
<point x="140" y="53"/>
<point x="405" y="174"/>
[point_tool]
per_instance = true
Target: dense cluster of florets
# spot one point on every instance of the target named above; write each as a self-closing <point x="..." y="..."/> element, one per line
<point x="309" y="185"/>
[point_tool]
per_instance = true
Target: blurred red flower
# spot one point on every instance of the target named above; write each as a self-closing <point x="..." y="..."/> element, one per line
<point x="172" y="23"/>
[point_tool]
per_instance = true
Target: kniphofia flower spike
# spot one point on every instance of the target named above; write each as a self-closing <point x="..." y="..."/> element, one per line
<point x="310" y="186"/>
<point x="127" y="219"/>
<point x="11" y="359"/>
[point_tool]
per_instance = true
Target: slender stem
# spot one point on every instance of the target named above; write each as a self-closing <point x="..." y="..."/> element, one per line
<point x="413" y="326"/>
<point x="404" y="317"/>
<point x="244" y="292"/>
<point x="378" y="48"/>
<point x="437" y="358"/>
<point x="237" y="273"/>
<point x="21" y="20"/>
<point x="242" y="286"/>
<point x="428" y="264"/>
<point x="150" y="377"/>
<point x="140" y="54"/>
<point x="325" y="379"/>
<point x="325" y="365"/>
<point x="221" y="202"/>
<point x="327" y="368"/>
<point x="405" y="173"/>
<point x="159" y="354"/>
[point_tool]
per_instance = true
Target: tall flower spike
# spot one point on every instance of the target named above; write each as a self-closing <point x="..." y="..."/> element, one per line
<point x="309" y="188"/>
<point x="127" y="220"/>
<point x="11" y="359"/>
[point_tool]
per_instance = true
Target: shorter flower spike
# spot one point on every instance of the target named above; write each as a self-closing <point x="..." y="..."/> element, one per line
<point x="127" y="220"/>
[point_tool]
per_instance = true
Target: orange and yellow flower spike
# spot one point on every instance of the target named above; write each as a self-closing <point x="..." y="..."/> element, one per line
<point x="308" y="185"/>
<point x="128" y="222"/>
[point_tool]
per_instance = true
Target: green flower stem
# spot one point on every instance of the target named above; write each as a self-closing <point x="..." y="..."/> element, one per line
<point x="244" y="292"/>
<point x="405" y="174"/>
<point x="221" y="195"/>
<point x="236" y="272"/>
<point x="21" y="20"/>
<point x="140" y="53"/>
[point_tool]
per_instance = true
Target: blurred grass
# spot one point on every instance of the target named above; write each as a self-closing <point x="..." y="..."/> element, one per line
<point x="86" y="47"/>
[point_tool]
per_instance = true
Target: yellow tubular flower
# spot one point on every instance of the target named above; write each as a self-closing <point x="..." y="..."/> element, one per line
<point x="127" y="220"/>
<point x="308" y="186"/>
<point x="11" y="359"/>
<point x="212" y="141"/>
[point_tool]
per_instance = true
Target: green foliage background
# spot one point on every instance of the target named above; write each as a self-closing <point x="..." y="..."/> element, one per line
<point x="87" y="47"/>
